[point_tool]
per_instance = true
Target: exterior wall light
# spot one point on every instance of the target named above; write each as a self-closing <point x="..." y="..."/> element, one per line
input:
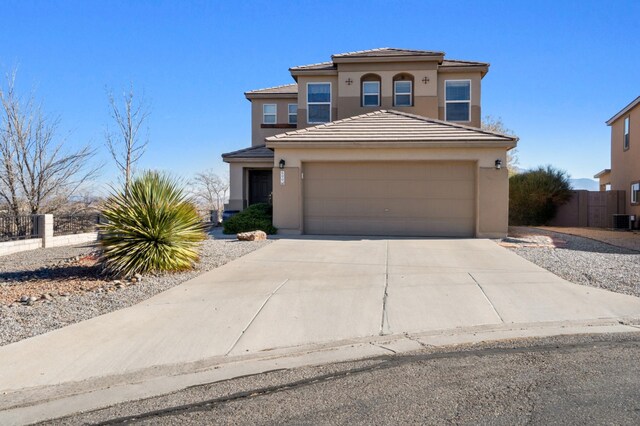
<point x="498" y="164"/>
<point x="281" y="163"/>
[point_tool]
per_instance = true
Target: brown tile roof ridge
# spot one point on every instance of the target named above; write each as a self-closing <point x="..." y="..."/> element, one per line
<point x="282" y="86"/>
<point x="388" y="49"/>
<point x="448" y="123"/>
<point x="394" y="112"/>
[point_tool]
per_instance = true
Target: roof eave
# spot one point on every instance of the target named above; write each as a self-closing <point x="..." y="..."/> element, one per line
<point x="295" y="73"/>
<point x="251" y="96"/>
<point x="247" y="160"/>
<point x="624" y="111"/>
<point x="602" y="173"/>
<point x="483" y="69"/>
<point x="305" y="143"/>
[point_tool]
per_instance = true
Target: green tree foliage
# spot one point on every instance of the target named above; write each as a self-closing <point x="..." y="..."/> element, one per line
<point x="257" y="217"/>
<point x="151" y="227"/>
<point x="535" y="195"/>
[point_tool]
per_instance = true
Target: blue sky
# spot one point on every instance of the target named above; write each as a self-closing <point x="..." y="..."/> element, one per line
<point x="559" y="69"/>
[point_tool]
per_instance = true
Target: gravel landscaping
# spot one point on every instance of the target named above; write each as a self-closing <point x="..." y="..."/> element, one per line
<point x="579" y="260"/>
<point x="63" y="285"/>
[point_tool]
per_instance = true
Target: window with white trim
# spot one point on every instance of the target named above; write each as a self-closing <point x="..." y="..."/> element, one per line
<point x="371" y="93"/>
<point x="318" y="103"/>
<point x="635" y="190"/>
<point x="293" y="113"/>
<point x="402" y="93"/>
<point x="625" y="140"/>
<point x="457" y="100"/>
<point x="269" y="113"/>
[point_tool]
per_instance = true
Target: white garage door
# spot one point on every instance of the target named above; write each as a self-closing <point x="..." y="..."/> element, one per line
<point x="389" y="198"/>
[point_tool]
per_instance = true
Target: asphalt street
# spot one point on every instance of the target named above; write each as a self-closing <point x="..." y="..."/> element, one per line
<point x="562" y="380"/>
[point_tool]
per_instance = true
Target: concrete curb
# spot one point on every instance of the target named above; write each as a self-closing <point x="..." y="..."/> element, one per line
<point x="25" y="406"/>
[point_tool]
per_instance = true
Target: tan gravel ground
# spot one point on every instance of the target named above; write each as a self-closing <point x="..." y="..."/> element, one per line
<point x="74" y="275"/>
<point x="625" y="239"/>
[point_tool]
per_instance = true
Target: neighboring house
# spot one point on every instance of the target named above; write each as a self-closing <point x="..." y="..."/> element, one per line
<point x="624" y="174"/>
<point x="381" y="142"/>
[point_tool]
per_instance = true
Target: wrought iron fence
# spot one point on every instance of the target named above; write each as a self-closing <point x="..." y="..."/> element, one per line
<point x="18" y="227"/>
<point x="75" y="224"/>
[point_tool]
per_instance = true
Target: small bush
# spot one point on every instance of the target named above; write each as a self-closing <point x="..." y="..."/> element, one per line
<point x="535" y="195"/>
<point x="152" y="227"/>
<point x="257" y="217"/>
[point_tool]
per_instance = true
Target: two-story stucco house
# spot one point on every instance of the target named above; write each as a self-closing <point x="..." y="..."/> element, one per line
<point x="376" y="142"/>
<point x="624" y="174"/>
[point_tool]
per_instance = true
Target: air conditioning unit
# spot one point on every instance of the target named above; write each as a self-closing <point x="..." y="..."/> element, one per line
<point x="621" y="222"/>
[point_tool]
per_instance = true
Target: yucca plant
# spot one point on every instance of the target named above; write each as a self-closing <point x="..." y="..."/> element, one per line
<point x="151" y="226"/>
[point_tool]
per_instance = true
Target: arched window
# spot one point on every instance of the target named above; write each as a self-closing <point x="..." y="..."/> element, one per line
<point x="403" y="90"/>
<point x="370" y="89"/>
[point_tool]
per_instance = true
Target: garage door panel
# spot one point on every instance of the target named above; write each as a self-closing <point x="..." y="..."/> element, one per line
<point x="391" y="198"/>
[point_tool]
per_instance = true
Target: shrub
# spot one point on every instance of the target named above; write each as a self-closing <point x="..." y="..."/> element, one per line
<point x="535" y="195"/>
<point x="257" y="217"/>
<point x="152" y="227"/>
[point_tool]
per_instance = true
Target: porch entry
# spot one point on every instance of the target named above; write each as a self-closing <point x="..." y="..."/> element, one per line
<point x="260" y="186"/>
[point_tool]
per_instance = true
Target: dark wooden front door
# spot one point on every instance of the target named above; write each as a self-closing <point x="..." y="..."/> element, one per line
<point x="260" y="186"/>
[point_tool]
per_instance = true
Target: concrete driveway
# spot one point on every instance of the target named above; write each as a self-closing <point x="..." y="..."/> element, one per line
<point x="309" y="291"/>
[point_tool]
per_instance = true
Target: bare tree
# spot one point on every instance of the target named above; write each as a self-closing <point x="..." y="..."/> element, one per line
<point x="125" y="145"/>
<point x="211" y="190"/>
<point x="494" y="124"/>
<point x="36" y="174"/>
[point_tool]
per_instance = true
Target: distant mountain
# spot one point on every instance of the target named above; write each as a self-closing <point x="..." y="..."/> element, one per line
<point x="585" y="183"/>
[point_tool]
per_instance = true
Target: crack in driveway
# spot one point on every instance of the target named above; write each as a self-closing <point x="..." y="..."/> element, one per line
<point x="486" y="297"/>
<point x="235" y="343"/>
<point x="386" y="287"/>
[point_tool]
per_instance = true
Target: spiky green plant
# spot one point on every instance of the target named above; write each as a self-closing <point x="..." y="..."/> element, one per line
<point x="150" y="227"/>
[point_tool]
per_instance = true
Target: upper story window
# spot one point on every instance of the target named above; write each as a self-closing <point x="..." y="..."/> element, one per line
<point x="626" y="134"/>
<point x="269" y="113"/>
<point x="403" y="90"/>
<point x="293" y="113"/>
<point x="370" y="90"/>
<point x="457" y="100"/>
<point x="371" y="93"/>
<point x="318" y="103"/>
<point x="635" y="190"/>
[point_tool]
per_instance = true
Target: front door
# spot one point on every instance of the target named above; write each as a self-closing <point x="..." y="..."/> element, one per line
<point x="260" y="186"/>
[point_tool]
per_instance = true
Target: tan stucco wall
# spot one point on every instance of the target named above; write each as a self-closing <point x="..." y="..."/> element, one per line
<point x="302" y="96"/>
<point x="428" y="98"/>
<point x="476" y="89"/>
<point x="625" y="167"/>
<point x="258" y="134"/>
<point x="425" y="95"/>
<point x="287" y="209"/>
<point x="238" y="182"/>
<point x="493" y="202"/>
<point x="493" y="194"/>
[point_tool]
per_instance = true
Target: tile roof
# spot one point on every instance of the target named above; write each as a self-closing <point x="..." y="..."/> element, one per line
<point x="391" y="126"/>
<point x="387" y="51"/>
<point x="259" y="151"/>
<point x="283" y="89"/>
<point x="319" y="66"/>
<point x="458" y="63"/>
<point x="624" y="110"/>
